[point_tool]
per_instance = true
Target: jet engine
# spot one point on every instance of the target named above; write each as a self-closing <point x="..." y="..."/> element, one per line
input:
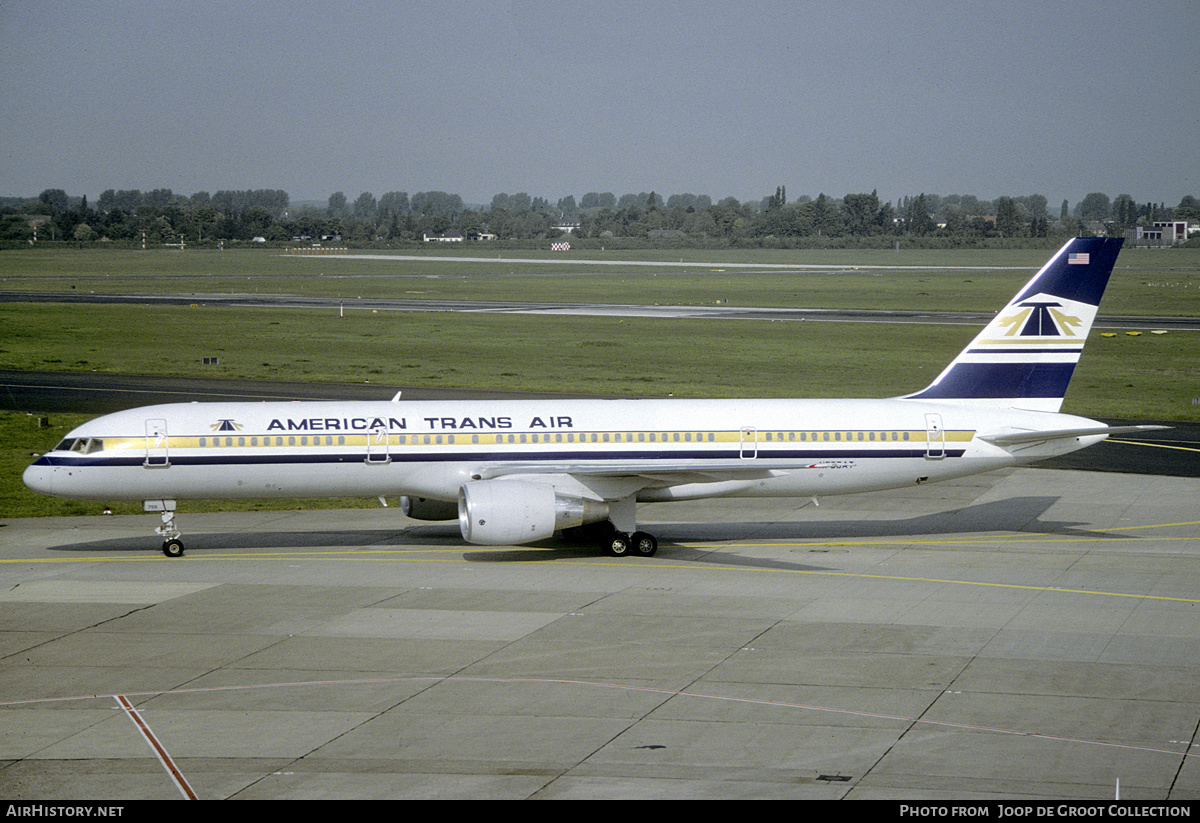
<point x="426" y="508"/>
<point x="506" y="512"/>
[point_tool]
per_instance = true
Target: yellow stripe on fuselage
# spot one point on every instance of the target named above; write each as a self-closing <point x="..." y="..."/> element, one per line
<point x="758" y="437"/>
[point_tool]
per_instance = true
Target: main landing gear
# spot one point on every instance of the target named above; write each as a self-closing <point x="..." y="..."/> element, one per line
<point x="613" y="541"/>
<point x="638" y="544"/>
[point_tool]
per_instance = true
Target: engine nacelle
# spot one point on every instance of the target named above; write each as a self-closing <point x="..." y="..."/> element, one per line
<point x="425" y="508"/>
<point x="510" y="512"/>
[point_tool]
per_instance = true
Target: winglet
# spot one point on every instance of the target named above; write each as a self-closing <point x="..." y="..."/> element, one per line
<point x="1024" y="358"/>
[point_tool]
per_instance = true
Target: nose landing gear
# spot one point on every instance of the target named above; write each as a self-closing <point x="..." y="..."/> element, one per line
<point x="172" y="543"/>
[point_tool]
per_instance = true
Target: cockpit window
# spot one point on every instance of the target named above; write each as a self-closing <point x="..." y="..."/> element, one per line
<point x="82" y="445"/>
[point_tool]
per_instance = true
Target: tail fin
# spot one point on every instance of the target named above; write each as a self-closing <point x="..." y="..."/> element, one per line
<point x="1025" y="357"/>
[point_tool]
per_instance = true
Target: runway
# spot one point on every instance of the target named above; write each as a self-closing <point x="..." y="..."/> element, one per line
<point x="715" y="312"/>
<point x="1025" y="635"/>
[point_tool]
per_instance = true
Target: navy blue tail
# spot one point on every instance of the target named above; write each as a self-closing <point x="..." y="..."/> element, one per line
<point x="1025" y="357"/>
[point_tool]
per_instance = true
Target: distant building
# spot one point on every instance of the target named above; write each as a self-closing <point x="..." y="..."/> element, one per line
<point x="1165" y="233"/>
<point x="448" y="236"/>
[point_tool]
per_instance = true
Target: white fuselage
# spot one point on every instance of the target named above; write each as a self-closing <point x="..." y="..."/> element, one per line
<point x="647" y="449"/>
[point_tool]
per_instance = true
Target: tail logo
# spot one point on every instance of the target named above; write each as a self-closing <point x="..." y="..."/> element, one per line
<point x="1039" y="318"/>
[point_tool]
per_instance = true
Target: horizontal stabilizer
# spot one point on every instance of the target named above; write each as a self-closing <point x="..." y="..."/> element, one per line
<point x="1018" y="438"/>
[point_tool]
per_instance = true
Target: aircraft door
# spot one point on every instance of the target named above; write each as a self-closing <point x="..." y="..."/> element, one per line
<point x="749" y="442"/>
<point x="935" y="437"/>
<point x="379" y="446"/>
<point x="157" y="456"/>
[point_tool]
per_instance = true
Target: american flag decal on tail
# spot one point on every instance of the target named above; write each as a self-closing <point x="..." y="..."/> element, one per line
<point x="1079" y="259"/>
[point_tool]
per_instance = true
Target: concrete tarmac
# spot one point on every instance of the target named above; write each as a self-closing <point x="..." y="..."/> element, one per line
<point x="1029" y="634"/>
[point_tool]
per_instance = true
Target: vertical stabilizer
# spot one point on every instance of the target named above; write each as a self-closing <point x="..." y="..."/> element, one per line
<point x="1025" y="357"/>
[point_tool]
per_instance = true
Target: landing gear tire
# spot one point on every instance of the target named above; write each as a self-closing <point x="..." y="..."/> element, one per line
<point x="644" y="545"/>
<point x="173" y="547"/>
<point x="619" y="545"/>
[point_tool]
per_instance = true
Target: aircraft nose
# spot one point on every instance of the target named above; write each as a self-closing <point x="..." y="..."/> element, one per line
<point x="40" y="477"/>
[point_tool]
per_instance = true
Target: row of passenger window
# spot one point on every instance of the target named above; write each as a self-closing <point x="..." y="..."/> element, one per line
<point x="839" y="436"/>
<point x="556" y="437"/>
<point x="291" y="440"/>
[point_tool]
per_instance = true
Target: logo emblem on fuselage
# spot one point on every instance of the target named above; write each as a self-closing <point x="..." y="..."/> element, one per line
<point x="226" y="426"/>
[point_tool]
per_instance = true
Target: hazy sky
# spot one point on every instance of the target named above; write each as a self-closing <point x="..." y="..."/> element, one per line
<point x="555" y="98"/>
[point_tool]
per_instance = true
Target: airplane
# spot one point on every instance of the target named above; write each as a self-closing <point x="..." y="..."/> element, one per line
<point x="516" y="471"/>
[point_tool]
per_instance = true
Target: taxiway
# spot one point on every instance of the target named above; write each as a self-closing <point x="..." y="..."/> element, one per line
<point x="1028" y="634"/>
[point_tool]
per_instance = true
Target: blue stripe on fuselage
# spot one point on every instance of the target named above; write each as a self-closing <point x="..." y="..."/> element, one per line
<point x="917" y="449"/>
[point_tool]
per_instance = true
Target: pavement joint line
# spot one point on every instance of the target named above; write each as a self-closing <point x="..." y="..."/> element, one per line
<point x="626" y="687"/>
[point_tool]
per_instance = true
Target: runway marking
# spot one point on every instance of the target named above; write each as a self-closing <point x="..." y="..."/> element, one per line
<point x="1157" y="445"/>
<point x="157" y="747"/>
<point x="717" y="267"/>
<point x="406" y="555"/>
<point x="121" y="699"/>
<point x="456" y="554"/>
<point x="90" y="390"/>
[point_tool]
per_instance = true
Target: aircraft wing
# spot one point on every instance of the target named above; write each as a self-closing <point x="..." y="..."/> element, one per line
<point x="659" y="472"/>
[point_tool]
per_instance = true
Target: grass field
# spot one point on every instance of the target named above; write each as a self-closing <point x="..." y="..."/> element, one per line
<point x="1146" y="376"/>
<point x="1147" y="281"/>
<point x="1151" y="376"/>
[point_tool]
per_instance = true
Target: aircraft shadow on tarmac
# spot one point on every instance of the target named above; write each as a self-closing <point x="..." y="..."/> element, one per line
<point x="1020" y="515"/>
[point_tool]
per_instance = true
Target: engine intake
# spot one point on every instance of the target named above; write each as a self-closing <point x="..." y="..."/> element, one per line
<point x="511" y="512"/>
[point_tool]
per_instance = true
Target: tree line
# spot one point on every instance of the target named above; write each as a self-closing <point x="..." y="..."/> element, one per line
<point x="161" y="216"/>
